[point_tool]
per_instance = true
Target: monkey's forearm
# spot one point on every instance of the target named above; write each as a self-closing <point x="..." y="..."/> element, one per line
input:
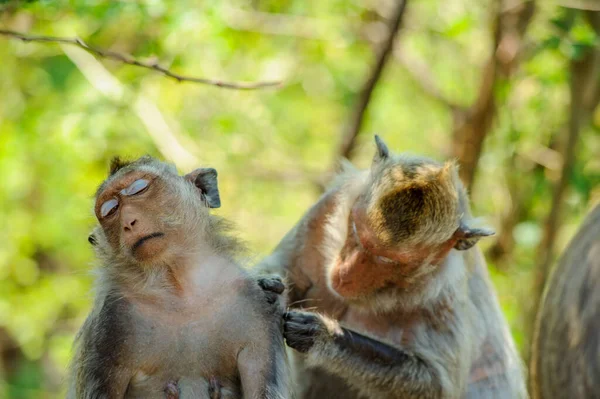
<point x="375" y="368"/>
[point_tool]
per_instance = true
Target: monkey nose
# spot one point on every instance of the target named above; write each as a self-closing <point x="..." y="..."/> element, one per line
<point x="128" y="224"/>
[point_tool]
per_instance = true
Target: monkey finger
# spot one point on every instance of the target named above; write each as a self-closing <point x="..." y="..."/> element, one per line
<point x="301" y="317"/>
<point x="310" y="330"/>
<point x="271" y="284"/>
<point x="299" y="339"/>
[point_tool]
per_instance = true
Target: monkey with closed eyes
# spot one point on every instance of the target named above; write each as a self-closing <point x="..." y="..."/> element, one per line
<point x="175" y="315"/>
<point x="400" y="301"/>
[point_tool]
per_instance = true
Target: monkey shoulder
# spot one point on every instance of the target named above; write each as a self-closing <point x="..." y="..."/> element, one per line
<point x="305" y="258"/>
<point x="112" y="326"/>
<point x="496" y="368"/>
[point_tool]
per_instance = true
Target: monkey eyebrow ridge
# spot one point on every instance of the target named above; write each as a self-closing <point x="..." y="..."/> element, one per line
<point x="136" y="187"/>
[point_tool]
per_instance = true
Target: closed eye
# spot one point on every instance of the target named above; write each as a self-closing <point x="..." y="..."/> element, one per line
<point x="356" y="235"/>
<point x="383" y="259"/>
<point x="137" y="187"/>
<point x="109" y="207"/>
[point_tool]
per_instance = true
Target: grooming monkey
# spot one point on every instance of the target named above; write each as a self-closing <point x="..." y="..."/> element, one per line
<point x="175" y="316"/>
<point x="565" y="361"/>
<point x="406" y="309"/>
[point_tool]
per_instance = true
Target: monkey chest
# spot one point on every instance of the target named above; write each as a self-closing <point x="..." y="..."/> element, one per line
<point x="395" y="331"/>
<point x="398" y="330"/>
<point x="189" y="349"/>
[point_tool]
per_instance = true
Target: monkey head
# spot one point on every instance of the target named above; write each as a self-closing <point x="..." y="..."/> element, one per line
<point x="407" y="215"/>
<point x="148" y="213"/>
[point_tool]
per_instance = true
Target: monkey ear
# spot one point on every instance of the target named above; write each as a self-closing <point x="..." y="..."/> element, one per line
<point x="467" y="237"/>
<point x="206" y="180"/>
<point x="382" y="150"/>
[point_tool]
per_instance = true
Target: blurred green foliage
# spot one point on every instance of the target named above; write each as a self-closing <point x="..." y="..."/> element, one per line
<point x="63" y="115"/>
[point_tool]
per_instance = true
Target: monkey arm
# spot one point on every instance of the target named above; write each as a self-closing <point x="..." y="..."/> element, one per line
<point x="100" y="369"/>
<point x="374" y="368"/>
<point x="297" y="256"/>
<point x="262" y="365"/>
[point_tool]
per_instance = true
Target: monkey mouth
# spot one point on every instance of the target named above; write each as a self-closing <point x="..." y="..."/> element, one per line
<point x="144" y="239"/>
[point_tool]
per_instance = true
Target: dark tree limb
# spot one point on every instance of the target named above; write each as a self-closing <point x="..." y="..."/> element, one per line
<point x="472" y="125"/>
<point x="130" y="60"/>
<point x="348" y="141"/>
<point x="500" y="252"/>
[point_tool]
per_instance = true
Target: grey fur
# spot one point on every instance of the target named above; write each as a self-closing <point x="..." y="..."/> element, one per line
<point x="565" y="361"/>
<point x="443" y="353"/>
<point x="216" y="336"/>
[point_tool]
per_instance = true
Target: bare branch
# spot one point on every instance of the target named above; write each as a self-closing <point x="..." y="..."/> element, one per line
<point x="161" y="133"/>
<point x="130" y="60"/>
<point x="357" y="117"/>
<point x="472" y="126"/>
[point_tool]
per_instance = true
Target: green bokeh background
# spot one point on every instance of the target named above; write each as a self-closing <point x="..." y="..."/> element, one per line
<point x="64" y="114"/>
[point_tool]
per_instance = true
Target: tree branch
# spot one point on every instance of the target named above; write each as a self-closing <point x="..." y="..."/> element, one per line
<point x="472" y="126"/>
<point x="357" y="118"/>
<point x="161" y="133"/>
<point x="130" y="60"/>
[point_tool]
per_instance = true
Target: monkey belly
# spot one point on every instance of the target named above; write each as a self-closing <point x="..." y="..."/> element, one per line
<point x="191" y="350"/>
<point x="189" y="363"/>
<point x="154" y="387"/>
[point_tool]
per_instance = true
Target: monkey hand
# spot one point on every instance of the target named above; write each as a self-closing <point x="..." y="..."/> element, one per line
<point x="272" y="286"/>
<point x="302" y="330"/>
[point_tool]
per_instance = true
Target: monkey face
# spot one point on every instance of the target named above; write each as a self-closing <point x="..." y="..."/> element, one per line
<point x="129" y="210"/>
<point x="148" y="212"/>
<point x="366" y="264"/>
<point x="399" y="227"/>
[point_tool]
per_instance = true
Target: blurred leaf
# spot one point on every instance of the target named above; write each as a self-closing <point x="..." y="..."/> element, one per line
<point x="458" y="27"/>
<point x="565" y="20"/>
<point x="551" y="43"/>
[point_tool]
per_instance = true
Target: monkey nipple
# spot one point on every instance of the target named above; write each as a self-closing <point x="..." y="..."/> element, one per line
<point x="171" y="390"/>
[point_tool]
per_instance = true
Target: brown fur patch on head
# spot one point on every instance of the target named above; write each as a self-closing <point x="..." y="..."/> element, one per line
<point x="418" y="202"/>
<point x="116" y="164"/>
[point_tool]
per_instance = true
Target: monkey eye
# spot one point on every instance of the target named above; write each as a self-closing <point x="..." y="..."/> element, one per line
<point x="383" y="259"/>
<point x="109" y="207"/>
<point x="136" y="187"/>
<point x="356" y="234"/>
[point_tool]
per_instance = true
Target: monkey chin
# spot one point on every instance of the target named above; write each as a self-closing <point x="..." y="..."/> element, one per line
<point x="150" y="249"/>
